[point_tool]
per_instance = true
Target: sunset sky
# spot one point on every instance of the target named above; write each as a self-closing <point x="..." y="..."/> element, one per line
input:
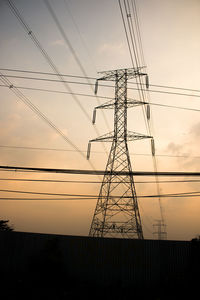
<point x="171" y="45"/>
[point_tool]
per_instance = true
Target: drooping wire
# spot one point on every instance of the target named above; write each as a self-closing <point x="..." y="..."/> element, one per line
<point x="92" y="182"/>
<point x="94" y="78"/>
<point x="46" y="73"/>
<point x="48" y="59"/>
<point x="68" y="43"/>
<point x="106" y="85"/>
<point x="79" y="33"/>
<point x="143" y="95"/>
<point x="98" y="172"/>
<point x="27" y="102"/>
<point x="141" y="92"/>
<point x="100" y="152"/>
<point x="126" y="33"/>
<point x="44" y="53"/>
<point x="150" y="123"/>
<point x="94" y="198"/>
<point x="137" y="61"/>
<point x="90" y="196"/>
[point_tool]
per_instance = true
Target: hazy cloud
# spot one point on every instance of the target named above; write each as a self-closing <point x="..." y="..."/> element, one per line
<point x="58" y="42"/>
<point x="187" y="150"/>
<point x="112" y="48"/>
<point x="195" y="130"/>
<point x="174" y="149"/>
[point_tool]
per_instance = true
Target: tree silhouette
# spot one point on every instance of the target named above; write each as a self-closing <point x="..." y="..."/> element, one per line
<point x="4" y="226"/>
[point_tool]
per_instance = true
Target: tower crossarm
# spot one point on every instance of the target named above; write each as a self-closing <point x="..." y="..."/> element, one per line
<point x="132" y="136"/>
<point x="130" y="73"/>
<point x="132" y="103"/>
<point x="108" y="137"/>
<point x="107" y="105"/>
<point x="111" y="104"/>
<point x="104" y="138"/>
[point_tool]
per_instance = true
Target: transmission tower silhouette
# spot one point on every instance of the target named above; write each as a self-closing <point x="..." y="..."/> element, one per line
<point x="117" y="212"/>
<point x="161" y="230"/>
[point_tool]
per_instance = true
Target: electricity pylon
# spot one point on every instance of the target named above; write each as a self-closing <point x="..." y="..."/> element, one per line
<point x="161" y="230"/>
<point x="117" y="213"/>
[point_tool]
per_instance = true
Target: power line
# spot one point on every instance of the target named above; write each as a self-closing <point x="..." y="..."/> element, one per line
<point x="149" y="125"/>
<point x="80" y="35"/>
<point x="95" y="78"/>
<point x="141" y="91"/>
<point x="96" y="196"/>
<point x="92" y="96"/>
<point x="53" y="66"/>
<point x="50" y="194"/>
<point x="26" y="101"/>
<point x="100" y="152"/>
<point x="62" y="32"/>
<point x="132" y="34"/>
<point x="137" y="26"/>
<point x="126" y="33"/>
<point x="133" y="39"/>
<point x="46" y="56"/>
<point x="46" y="73"/>
<point x="47" y="79"/>
<point x="91" y="182"/>
<point x="56" y="91"/>
<point x="99" y="172"/>
<point x="102" y="85"/>
<point x="47" y="199"/>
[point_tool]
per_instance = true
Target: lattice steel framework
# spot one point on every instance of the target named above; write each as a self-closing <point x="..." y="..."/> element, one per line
<point x="161" y="230"/>
<point x="117" y="213"/>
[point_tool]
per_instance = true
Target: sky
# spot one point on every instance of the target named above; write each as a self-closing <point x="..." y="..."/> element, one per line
<point x="171" y="45"/>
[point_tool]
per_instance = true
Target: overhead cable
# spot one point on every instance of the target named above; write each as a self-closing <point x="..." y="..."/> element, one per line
<point x="92" y="96"/>
<point x="91" y="182"/>
<point x="96" y="197"/>
<point x="46" y="56"/>
<point x="26" y="101"/>
<point x="94" y="78"/>
<point x="100" y="152"/>
<point x="103" y="85"/>
<point x="100" y="172"/>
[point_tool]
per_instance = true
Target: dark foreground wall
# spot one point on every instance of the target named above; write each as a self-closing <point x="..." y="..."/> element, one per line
<point x="79" y="262"/>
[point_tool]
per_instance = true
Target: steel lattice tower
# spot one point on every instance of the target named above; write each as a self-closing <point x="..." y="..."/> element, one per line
<point x="117" y="213"/>
<point x="161" y="230"/>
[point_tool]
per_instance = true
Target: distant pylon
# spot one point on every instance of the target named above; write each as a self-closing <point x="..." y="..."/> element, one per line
<point x="117" y="213"/>
<point x="161" y="230"/>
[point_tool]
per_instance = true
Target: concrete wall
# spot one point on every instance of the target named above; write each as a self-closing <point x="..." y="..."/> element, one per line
<point x="106" y="261"/>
